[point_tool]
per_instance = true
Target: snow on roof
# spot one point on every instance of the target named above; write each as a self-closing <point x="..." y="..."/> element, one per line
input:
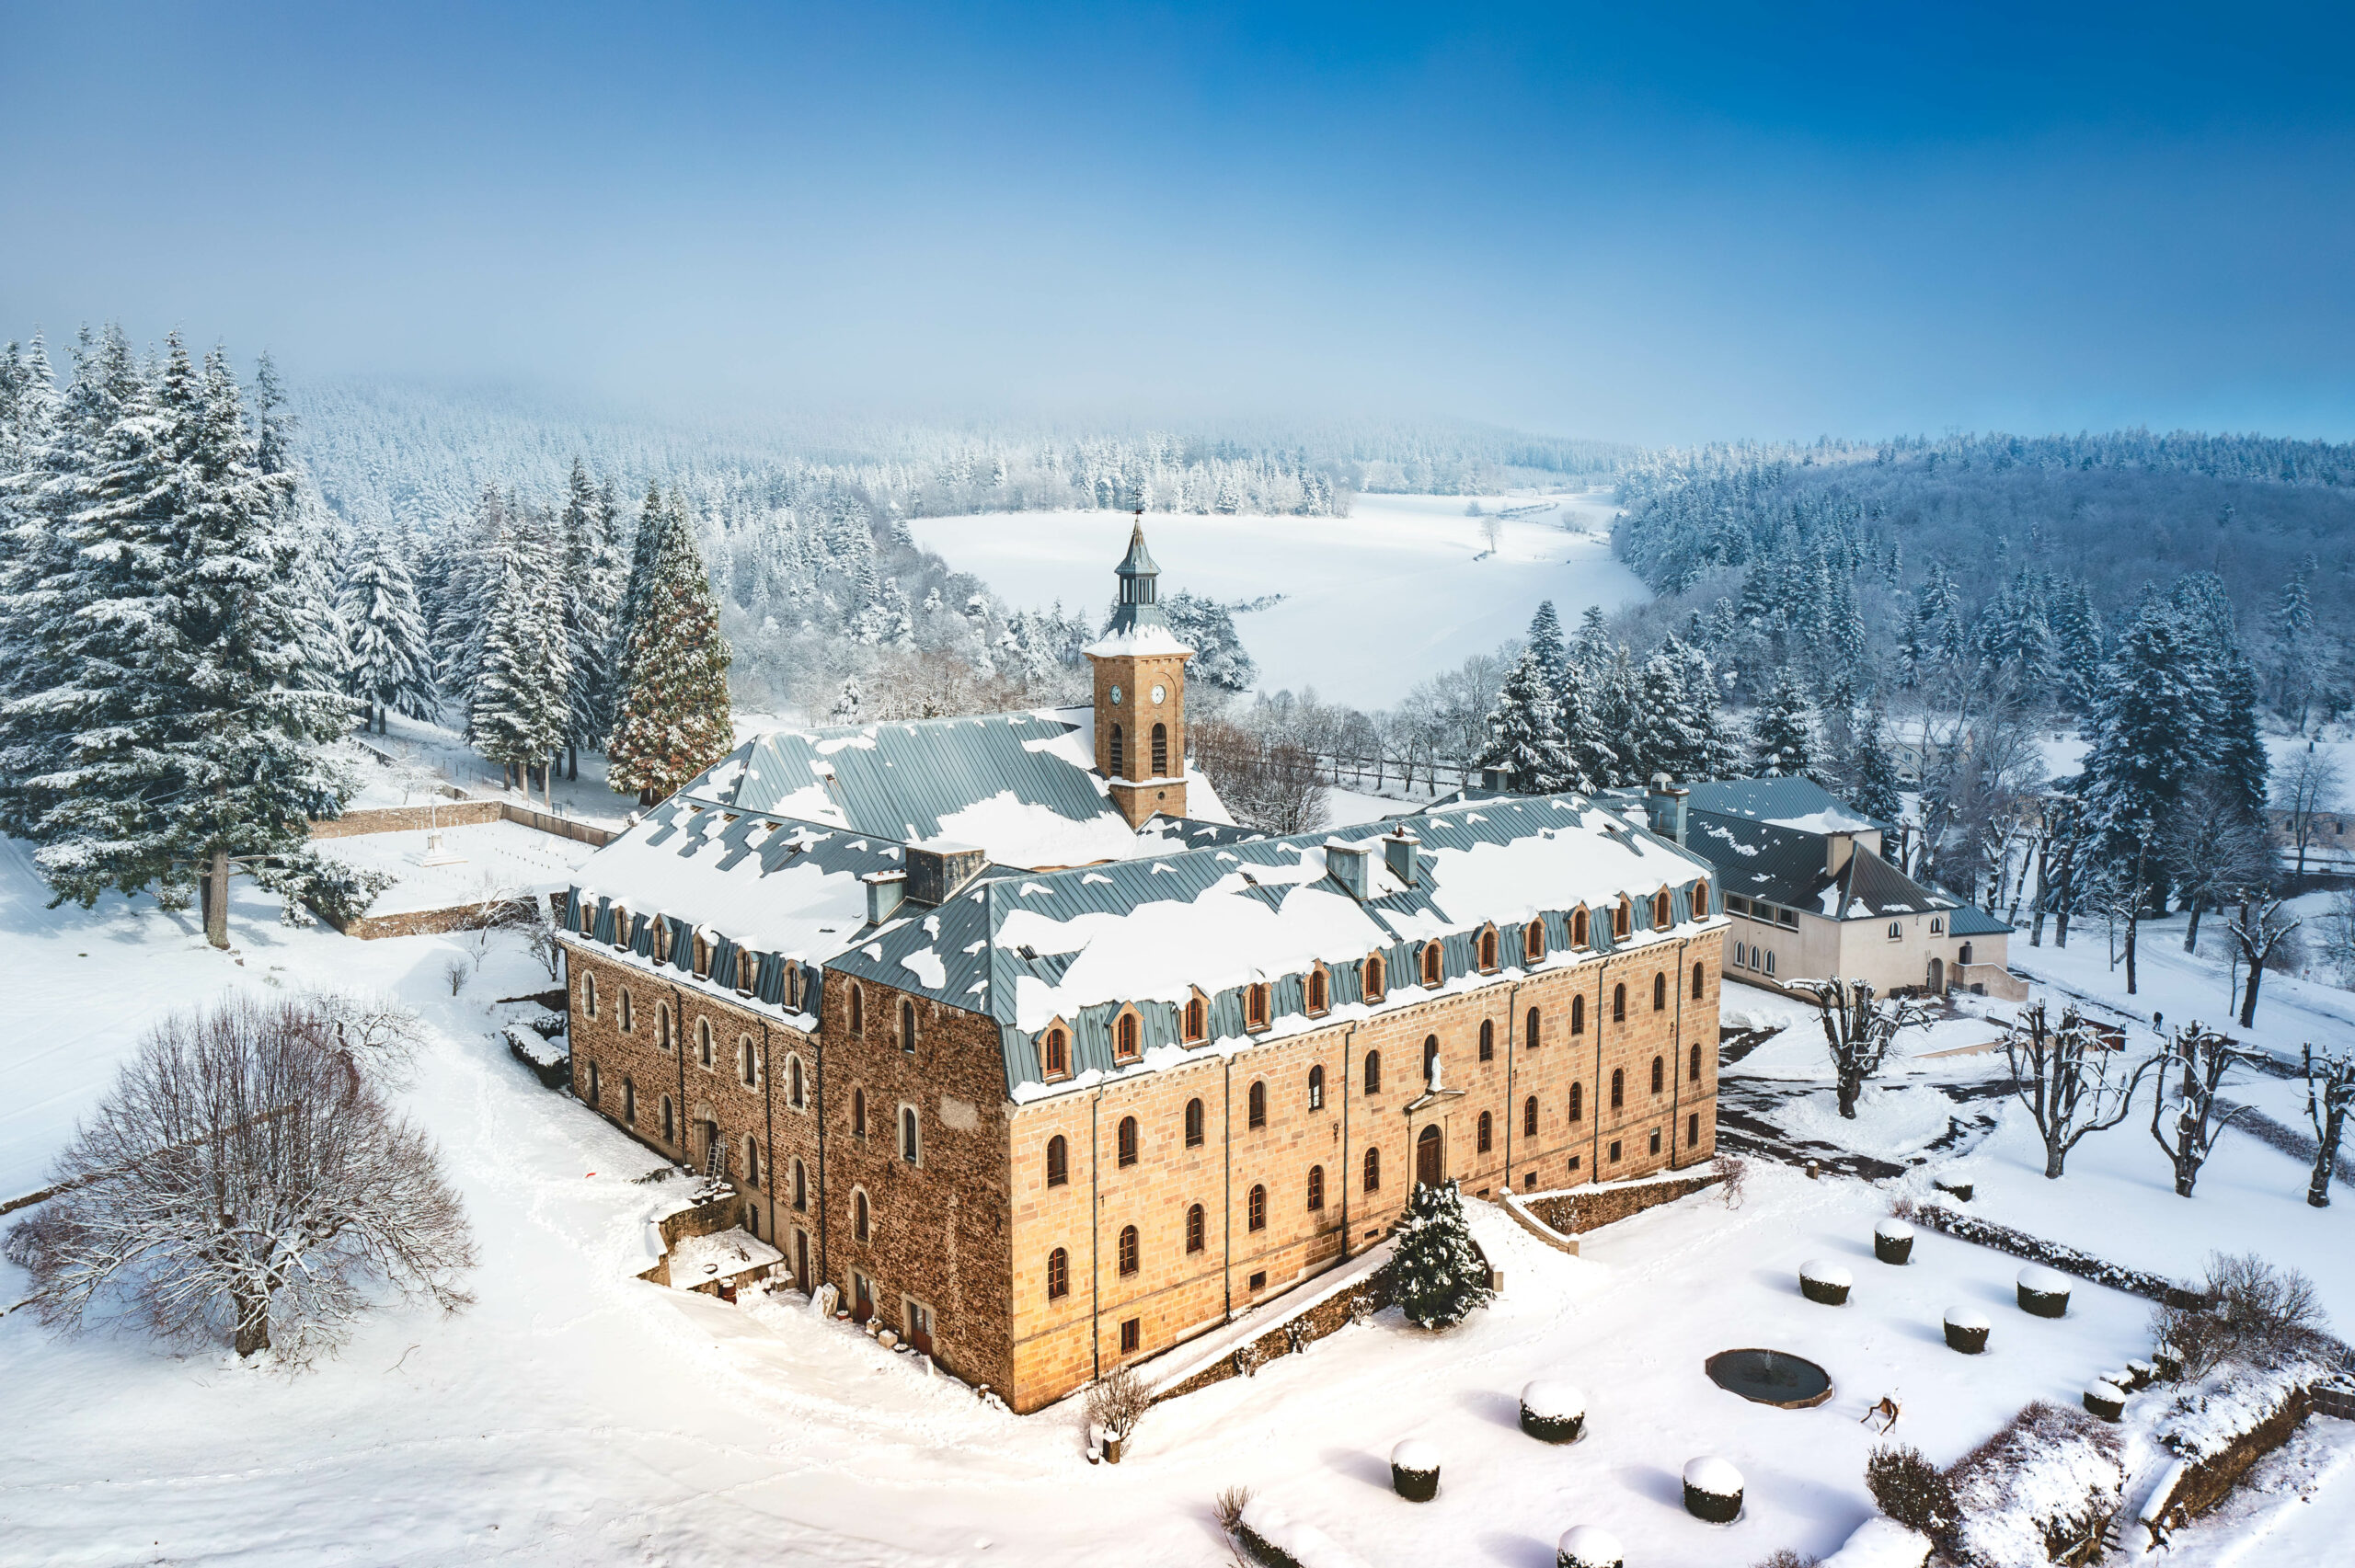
<point x="1145" y="638"/>
<point x="699" y="1260"/>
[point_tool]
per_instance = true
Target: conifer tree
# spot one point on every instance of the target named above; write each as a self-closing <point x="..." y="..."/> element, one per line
<point x="1437" y="1275"/>
<point x="1782" y="742"/>
<point x="520" y="708"/>
<point x="389" y="663"/>
<point x="593" y="587"/>
<point x="674" y="719"/>
<point x="1875" y="791"/>
<point x="1609" y="748"/>
<point x="1545" y="640"/>
<point x="1525" y="733"/>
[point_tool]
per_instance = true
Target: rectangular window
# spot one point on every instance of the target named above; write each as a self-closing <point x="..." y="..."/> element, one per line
<point x="1789" y="919"/>
<point x="1655" y="1140"/>
<point x="1260" y="1280"/>
<point x="1736" y="904"/>
<point x="1615" y="1151"/>
<point x="1131" y="1335"/>
<point x="1574" y="1162"/>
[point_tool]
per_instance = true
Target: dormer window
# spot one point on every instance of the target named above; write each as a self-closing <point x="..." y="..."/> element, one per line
<point x="1532" y="941"/>
<point x="1198" y="1019"/>
<point x="702" y="959"/>
<point x="588" y="918"/>
<point x="621" y="927"/>
<point x="1320" y="992"/>
<point x="1126" y="1036"/>
<point x="1054" y="1052"/>
<point x="1623" y="920"/>
<point x="1488" y="951"/>
<point x="1369" y="978"/>
<point x="1434" y="964"/>
<point x="748" y="970"/>
<point x="1254" y="1006"/>
<point x="662" y="942"/>
<point x="1700" y="901"/>
<point x="1662" y="911"/>
<point x="1580" y="936"/>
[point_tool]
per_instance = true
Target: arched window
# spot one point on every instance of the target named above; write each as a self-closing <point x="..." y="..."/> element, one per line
<point x="1578" y="1101"/>
<point x="703" y="1041"/>
<point x="1659" y="1075"/>
<point x="1370" y="979"/>
<point x="1119" y="764"/>
<point x="793" y="1086"/>
<point x="1579" y="937"/>
<point x="857" y="1010"/>
<point x="1374" y="1072"/>
<point x="1317" y="1001"/>
<point x="589" y="994"/>
<point x="1896" y="931"/>
<point x="1530" y="1033"/>
<point x="753" y="1161"/>
<point x="1431" y="1055"/>
<point x="1488" y="1039"/>
<point x="1194" y="1228"/>
<point x="592" y="1083"/>
<point x="1434" y="964"/>
<point x="1487" y="1131"/>
<point x="629" y="1102"/>
<point x="1315" y="1088"/>
<point x="801" y="1187"/>
<point x="1487" y="951"/>
<point x="1124" y="1037"/>
<point x="1693" y="1130"/>
<point x="1577" y="1014"/>
<point x="665" y="1035"/>
<point x="662" y="942"/>
<point x="1256" y="1209"/>
<point x="1619" y="1004"/>
<point x="1161" y="750"/>
<point x="702" y="958"/>
<point x="1618" y="1087"/>
<point x="908" y="1148"/>
<point x="629" y="1023"/>
<point x="1700" y="901"/>
<point x="1660" y="992"/>
<point x="1128" y="1140"/>
<point x="1698" y="982"/>
<point x="858" y="1217"/>
<point x="1058" y="1160"/>
<point x="1259" y="1102"/>
<point x="1529" y="1117"/>
<point x="1316" y="1188"/>
<point x="748" y="1062"/>
<point x="1128" y="1249"/>
<point x="908" y="1026"/>
<point x="669" y="1121"/>
<point x="1193" y="1124"/>
<point x="1058" y="1275"/>
<point x="858" y="1113"/>
<point x="1623" y="917"/>
<point x="1373" y="1170"/>
<point x="1198" y="1020"/>
<point x="1661" y="910"/>
<point x="1255" y="1006"/>
<point x="1532" y="941"/>
<point x="1058" y="1054"/>
<point x="1692" y="1068"/>
<point x="1937" y="925"/>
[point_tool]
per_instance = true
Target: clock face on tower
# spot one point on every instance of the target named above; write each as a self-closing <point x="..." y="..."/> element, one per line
<point x="1116" y="696"/>
<point x="1159" y="692"/>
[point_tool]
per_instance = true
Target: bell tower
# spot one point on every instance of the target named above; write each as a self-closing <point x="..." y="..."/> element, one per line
<point x="1140" y="694"/>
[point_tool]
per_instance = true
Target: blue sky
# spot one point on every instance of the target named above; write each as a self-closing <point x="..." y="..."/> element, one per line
<point x="1649" y="222"/>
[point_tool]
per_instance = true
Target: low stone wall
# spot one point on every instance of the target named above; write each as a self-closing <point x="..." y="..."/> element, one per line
<point x="1328" y="1316"/>
<point x="721" y="1211"/>
<point x="456" y="814"/>
<point x="1580" y="1209"/>
<point x="2210" y="1481"/>
<point x="428" y="922"/>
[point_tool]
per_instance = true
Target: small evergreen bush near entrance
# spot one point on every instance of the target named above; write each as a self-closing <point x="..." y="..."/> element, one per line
<point x="1910" y="1490"/>
<point x="1439" y="1276"/>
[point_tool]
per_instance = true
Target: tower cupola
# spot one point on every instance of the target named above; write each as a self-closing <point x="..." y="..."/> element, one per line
<point x="1140" y="694"/>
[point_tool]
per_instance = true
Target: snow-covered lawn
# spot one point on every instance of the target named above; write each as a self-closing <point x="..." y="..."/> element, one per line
<point x="1374" y="602"/>
<point x="500" y="859"/>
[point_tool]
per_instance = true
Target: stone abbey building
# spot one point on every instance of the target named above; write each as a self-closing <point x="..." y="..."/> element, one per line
<point x="988" y="1032"/>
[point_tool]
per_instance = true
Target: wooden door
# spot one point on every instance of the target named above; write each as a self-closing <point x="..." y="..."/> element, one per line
<point x="802" y="1262"/>
<point x="1427" y="1161"/>
<point x="920" y="1327"/>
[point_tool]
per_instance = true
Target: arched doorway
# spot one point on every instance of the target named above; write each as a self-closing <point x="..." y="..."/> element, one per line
<point x="1427" y="1160"/>
<point x="1937" y="977"/>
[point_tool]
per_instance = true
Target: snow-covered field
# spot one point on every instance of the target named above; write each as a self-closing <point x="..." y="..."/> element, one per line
<point x="1374" y="602"/>
<point x="575" y="1415"/>
<point x="498" y="860"/>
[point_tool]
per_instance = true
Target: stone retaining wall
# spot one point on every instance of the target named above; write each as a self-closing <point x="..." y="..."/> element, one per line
<point x="456" y="814"/>
<point x="428" y="922"/>
<point x="2211" y="1481"/>
<point x="1582" y="1209"/>
<point x="1328" y="1316"/>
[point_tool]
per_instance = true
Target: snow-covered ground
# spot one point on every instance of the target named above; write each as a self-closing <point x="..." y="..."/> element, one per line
<point x="1374" y="602"/>
<point x="498" y="860"/>
<point x="575" y="1415"/>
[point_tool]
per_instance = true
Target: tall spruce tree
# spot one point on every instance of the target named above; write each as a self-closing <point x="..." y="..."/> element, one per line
<point x="675" y="719"/>
<point x="1875" y="789"/>
<point x="1782" y="738"/>
<point x="390" y="662"/>
<point x="593" y="584"/>
<point x="1525" y="733"/>
<point x="519" y="709"/>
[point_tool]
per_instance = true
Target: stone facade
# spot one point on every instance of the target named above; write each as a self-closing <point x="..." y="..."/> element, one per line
<point x="1129" y="720"/>
<point x="966" y="1232"/>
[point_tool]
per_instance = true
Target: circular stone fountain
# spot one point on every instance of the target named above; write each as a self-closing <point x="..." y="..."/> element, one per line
<point x="1771" y="1377"/>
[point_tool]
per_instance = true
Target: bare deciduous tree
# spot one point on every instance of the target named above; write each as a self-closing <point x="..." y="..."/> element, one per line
<point x="2067" y="1079"/>
<point x="2305" y="788"/>
<point x="2330" y="1092"/>
<point x="243" y="1178"/>
<point x="1117" y="1402"/>
<point x="1859" y="1031"/>
<point x="2185" y="1115"/>
<point x="1268" y="781"/>
<point x="2260" y="926"/>
<point x="2249" y="1312"/>
<point x="380" y="1035"/>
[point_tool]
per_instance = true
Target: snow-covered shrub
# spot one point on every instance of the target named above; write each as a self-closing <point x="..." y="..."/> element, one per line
<point x="2248" y="1311"/>
<point x="1967" y="1329"/>
<point x="2038" y="1489"/>
<point x="1438" y="1274"/>
<point x="1117" y="1402"/>
<point x="1908" y="1488"/>
<point x="1228" y="1507"/>
<point x="1552" y="1412"/>
<point x="1786" y="1558"/>
<point x="2105" y="1400"/>
<point x="1893" y="1242"/>
<point x="1585" y="1546"/>
<point x="1414" y="1470"/>
<point x="2044" y="1292"/>
<point x="2231" y="1401"/>
<point x="1826" y="1283"/>
<point x="1732" y="1171"/>
<point x="1278" y="1540"/>
<point x="1712" y="1490"/>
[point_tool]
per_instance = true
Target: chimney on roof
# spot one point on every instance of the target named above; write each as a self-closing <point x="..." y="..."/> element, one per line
<point x="936" y="873"/>
<point x="1346" y="864"/>
<point x="1665" y="802"/>
<point x="885" y="889"/>
<point x="1838" y="850"/>
<point x="1399" y="851"/>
